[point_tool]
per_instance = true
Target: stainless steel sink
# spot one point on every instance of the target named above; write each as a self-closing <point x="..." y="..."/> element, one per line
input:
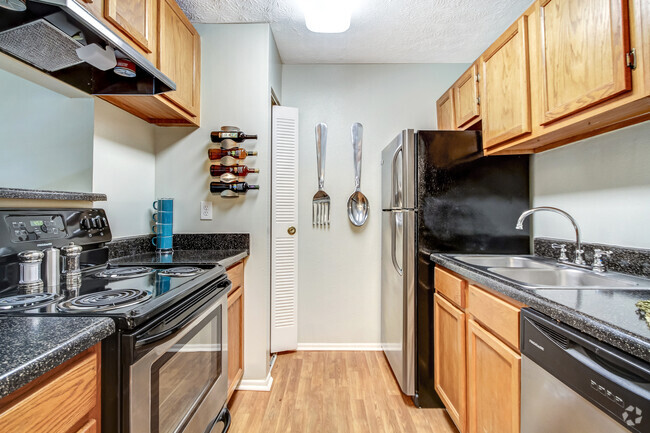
<point x="562" y="277"/>
<point x="503" y="261"/>
<point x="536" y="273"/>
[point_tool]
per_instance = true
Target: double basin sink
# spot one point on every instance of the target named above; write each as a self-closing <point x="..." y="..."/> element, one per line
<point x="540" y="273"/>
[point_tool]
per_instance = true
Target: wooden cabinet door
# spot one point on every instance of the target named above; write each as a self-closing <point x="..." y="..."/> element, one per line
<point x="505" y="93"/>
<point x="466" y="102"/>
<point x="493" y="377"/>
<point x="583" y="48"/>
<point x="134" y="18"/>
<point x="445" y="112"/>
<point x="449" y="358"/>
<point x="235" y="338"/>
<point x="179" y="56"/>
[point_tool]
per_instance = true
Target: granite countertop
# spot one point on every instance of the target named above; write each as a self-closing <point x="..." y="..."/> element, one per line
<point x="31" y="346"/>
<point x="50" y="195"/>
<point x="608" y="315"/>
<point x="225" y="258"/>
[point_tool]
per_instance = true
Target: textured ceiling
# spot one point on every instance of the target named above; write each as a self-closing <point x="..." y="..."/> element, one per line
<point x="382" y="31"/>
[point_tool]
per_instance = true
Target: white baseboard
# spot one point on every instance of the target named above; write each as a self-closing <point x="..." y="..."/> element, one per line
<point x="357" y="347"/>
<point x="256" y="385"/>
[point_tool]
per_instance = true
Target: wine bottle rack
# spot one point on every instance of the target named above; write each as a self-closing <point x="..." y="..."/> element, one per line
<point x="222" y="139"/>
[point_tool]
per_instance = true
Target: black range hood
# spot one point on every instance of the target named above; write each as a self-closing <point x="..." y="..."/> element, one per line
<point x="47" y="34"/>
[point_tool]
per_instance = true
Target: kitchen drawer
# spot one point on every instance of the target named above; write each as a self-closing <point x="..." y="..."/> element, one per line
<point x="450" y="286"/>
<point x="236" y="276"/>
<point x="89" y="427"/>
<point x="58" y="404"/>
<point x="494" y="313"/>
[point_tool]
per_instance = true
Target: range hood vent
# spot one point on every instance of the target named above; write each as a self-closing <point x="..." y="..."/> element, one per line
<point x="48" y="35"/>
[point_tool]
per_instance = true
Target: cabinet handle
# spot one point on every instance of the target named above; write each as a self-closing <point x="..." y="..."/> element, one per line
<point x="291" y="230"/>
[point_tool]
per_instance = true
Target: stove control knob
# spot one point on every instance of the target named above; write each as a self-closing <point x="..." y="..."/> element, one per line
<point x="97" y="222"/>
<point x="93" y="223"/>
<point x="44" y="228"/>
<point x="85" y="223"/>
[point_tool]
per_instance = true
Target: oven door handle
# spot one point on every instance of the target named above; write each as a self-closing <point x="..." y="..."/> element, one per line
<point x="164" y="334"/>
<point x="224" y="416"/>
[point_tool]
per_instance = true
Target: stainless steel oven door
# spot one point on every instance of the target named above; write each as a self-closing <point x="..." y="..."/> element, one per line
<point x="181" y="384"/>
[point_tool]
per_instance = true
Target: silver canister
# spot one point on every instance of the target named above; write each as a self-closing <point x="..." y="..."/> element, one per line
<point x="71" y="266"/>
<point x="52" y="269"/>
<point x="30" y="271"/>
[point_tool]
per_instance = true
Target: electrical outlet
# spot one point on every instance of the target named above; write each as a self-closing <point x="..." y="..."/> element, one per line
<point x="206" y="210"/>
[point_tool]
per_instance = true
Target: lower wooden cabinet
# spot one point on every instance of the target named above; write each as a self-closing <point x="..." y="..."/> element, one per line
<point x="64" y="400"/>
<point x="477" y="364"/>
<point x="235" y="327"/>
<point x="493" y="380"/>
<point x="449" y="358"/>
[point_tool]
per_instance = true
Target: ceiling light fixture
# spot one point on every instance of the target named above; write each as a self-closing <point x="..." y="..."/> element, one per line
<point x="327" y="16"/>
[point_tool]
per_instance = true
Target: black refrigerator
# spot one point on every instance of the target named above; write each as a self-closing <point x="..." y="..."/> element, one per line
<point x="440" y="194"/>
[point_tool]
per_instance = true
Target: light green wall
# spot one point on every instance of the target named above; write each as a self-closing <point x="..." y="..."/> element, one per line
<point x="46" y="139"/>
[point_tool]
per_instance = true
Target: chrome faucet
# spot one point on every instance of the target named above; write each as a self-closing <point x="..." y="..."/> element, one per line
<point x="579" y="259"/>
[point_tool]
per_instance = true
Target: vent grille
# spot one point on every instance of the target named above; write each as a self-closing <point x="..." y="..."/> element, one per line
<point x="555" y="336"/>
<point x="41" y="44"/>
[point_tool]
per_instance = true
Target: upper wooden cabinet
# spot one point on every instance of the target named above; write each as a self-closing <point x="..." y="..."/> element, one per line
<point x="583" y="46"/>
<point x="162" y="33"/>
<point x="466" y="98"/>
<point x="445" y="112"/>
<point x="135" y="19"/>
<point x="506" y="86"/>
<point x="179" y="56"/>
<point x="565" y="71"/>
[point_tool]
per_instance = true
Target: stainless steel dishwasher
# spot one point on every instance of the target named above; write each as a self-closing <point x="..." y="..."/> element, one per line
<point x="573" y="383"/>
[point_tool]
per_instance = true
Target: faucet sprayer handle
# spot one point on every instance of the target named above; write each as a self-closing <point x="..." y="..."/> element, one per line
<point x="598" y="254"/>
<point x="562" y="248"/>
<point x="598" y="265"/>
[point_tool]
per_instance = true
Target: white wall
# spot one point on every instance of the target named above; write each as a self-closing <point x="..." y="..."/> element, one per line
<point x="235" y="90"/>
<point x="46" y="139"/>
<point x="603" y="182"/>
<point x="124" y="167"/>
<point x="339" y="268"/>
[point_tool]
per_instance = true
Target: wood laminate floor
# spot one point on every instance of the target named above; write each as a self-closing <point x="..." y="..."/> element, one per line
<point x="333" y="392"/>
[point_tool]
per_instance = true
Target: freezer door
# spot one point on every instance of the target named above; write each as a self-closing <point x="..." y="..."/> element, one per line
<point x="398" y="176"/>
<point x="398" y="295"/>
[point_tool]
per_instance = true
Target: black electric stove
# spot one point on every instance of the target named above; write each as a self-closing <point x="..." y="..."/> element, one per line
<point x="170" y="316"/>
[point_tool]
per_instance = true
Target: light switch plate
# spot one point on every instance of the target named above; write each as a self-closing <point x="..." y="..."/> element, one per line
<point x="206" y="210"/>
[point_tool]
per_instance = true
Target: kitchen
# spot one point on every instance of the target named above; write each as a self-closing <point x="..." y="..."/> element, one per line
<point x="601" y="181"/>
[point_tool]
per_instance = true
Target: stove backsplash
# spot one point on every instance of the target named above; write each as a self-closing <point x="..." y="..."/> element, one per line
<point x="133" y="245"/>
<point x="634" y="261"/>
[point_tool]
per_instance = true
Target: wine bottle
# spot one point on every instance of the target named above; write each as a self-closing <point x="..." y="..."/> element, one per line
<point x="237" y="170"/>
<point x="237" y="136"/>
<point x="219" y="187"/>
<point x="236" y="152"/>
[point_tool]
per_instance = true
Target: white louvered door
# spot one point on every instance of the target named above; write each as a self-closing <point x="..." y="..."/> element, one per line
<point x="284" y="238"/>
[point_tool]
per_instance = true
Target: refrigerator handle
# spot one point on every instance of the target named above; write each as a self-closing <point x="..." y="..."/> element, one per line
<point x="393" y="216"/>
<point x="396" y="195"/>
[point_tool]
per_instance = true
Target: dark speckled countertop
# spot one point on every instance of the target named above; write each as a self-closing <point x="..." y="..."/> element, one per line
<point x="225" y="258"/>
<point x="31" y="346"/>
<point x="608" y="315"/>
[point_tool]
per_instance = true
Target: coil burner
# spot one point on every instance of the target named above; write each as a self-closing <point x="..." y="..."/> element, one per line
<point x="181" y="271"/>
<point x="106" y="300"/>
<point x="27" y="301"/>
<point x="126" y="272"/>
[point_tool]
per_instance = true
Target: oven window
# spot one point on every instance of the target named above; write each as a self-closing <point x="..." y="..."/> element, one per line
<point x="182" y="376"/>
